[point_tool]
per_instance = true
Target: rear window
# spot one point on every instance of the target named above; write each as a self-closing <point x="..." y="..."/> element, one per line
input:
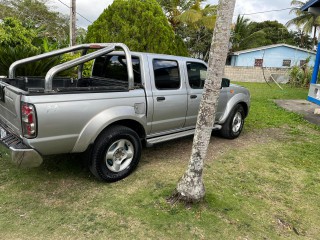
<point x="115" y="67"/>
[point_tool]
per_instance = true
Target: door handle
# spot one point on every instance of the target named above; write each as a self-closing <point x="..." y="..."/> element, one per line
<point x="159" y="99"/>
<point x="193" y="96"/>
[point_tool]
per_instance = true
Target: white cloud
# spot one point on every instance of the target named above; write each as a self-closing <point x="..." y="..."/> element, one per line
<point x="257" y="6"/>
<point x="89" y="9"/>
<point x="93" y="8"/>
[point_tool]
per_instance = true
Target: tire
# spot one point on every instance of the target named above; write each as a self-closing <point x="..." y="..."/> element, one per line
<point x="115" y="154"/>
<point x="232" y="128"/>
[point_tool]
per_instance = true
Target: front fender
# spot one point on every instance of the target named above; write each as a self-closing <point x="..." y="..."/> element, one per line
<point x="238" y="98"/>
<point x="99" y="122"/>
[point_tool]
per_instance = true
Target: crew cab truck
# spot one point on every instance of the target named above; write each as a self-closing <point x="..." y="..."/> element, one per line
<point x="130" y="99"/>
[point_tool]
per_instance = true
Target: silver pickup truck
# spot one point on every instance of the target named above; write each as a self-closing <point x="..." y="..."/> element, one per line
<point x="131" y="99"/>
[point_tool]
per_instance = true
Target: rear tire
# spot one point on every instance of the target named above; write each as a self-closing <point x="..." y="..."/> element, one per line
<point x="115" y="154"/>
<point x="232" y="128"/>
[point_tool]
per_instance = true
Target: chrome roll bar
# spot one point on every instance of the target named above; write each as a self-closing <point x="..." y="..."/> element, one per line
<point x="104" y="48"/>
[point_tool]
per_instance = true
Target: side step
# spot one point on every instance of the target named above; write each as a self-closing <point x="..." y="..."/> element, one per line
<point x="172" y="136"/>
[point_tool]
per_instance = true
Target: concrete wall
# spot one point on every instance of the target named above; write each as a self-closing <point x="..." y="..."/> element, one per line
<point x="253" y="74"/>
<point x="272" y="57"/>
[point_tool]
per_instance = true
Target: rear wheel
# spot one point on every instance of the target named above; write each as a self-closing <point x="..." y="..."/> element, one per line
<point x="116" y="153"/>
<point x="233" y="126"/>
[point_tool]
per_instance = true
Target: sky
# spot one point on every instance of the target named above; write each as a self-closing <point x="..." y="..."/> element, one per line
<point x="91" y="9"/>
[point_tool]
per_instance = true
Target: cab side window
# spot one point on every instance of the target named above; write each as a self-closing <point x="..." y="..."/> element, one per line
<point x="166" y="74"/>
<point x="197" y="74"/>
<point x="115" y="67"/>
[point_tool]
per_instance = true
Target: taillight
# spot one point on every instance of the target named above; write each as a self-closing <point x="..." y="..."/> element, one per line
<point x="28" y="120"/>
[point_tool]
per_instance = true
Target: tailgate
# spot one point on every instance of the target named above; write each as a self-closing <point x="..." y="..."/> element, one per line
<point x="10" y="107"/>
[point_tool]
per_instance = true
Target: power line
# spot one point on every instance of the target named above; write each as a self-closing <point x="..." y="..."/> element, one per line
<point x="64" y="4"/>
<point x="76" y="12"/>
<point x="274" y="10"/>
<point x="84" y="17"/>
<point x="246" y="14"/>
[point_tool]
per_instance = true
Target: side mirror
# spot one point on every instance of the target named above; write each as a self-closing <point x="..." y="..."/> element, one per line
<point x="225" y="83"/>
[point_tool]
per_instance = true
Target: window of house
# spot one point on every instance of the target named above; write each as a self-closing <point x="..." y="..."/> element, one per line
<point x="286" y="63"/>
<point x="197" y="74"/>
<point x="258" y="62"/>
<point x="303" y="63"/>
<point x="166" y="74"/>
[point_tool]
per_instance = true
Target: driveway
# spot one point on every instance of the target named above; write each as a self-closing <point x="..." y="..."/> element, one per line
<point x="302" y="107"/>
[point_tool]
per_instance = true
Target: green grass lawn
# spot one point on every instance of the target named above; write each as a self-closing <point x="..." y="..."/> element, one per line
<point x="263" y="185"/>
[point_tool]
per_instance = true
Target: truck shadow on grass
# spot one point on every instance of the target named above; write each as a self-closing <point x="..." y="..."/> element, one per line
<point x="176" y="151"/>
<point x="66" y="165"/>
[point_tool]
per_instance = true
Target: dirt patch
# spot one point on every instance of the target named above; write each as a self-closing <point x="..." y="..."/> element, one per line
<point x="246" y="140"/>
<point x="180" y="149"/>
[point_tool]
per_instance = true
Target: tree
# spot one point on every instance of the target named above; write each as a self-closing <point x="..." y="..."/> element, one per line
<point x="246" y="34"/>
<point x="241" y="34"/>
<point x="190" y="187"/>
<point x="307" y="21"/>
<point x="139" y="24"/>
<point x="13" y="33"/>
<point x="36" y="15"/>
<point x="173" y="9"/>
<point x="191" y="22"/>
<point x="275" y="32"/>
<point x="302" y="40"/>
<point x="196" y="25"/>
<point x="17" y="42"/>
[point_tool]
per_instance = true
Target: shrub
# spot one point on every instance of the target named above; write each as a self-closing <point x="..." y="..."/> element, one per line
<point x="300" y="76"/>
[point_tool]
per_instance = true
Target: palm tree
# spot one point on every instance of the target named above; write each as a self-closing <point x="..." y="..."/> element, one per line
<point x="173" y="9"/>
<point x="196" y="25"/>
<point x="197" y="16"/>
<point x="240" y="31"/>
<point x="190" y="187"/>
<point x="307" y="21"/>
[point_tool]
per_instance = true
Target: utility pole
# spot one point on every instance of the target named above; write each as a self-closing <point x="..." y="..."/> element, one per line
<point x="72" y="22"/>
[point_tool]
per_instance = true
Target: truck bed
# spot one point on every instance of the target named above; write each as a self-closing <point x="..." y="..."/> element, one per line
<point x="35" y="84"/>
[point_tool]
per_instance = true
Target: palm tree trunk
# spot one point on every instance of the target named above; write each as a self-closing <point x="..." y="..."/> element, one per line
<point x="190" y="187"/>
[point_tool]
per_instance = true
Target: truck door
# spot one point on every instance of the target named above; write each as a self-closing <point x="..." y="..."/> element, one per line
<point x="169" y="95"/>
<point x="196" y="78"/>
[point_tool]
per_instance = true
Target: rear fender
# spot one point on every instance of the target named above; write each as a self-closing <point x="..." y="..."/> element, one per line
<point x="102" y="120"/>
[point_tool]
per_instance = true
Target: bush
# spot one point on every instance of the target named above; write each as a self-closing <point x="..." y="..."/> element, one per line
<point x="73" y="72"/>
<point x="300" y="76"/>
<point x="8" y="55"/>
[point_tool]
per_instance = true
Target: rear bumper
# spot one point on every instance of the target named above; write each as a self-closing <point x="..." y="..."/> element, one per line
<point x="27" y="158"/>
<point x="21" y="154"/>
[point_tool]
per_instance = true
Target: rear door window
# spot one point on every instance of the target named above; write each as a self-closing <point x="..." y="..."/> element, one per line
<point x="166" y="74"/>
<point x="197" y="74"/>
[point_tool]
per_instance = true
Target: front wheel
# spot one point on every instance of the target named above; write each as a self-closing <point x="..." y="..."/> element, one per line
<point x="233" y="126"/>
<point x="116" y="153"/>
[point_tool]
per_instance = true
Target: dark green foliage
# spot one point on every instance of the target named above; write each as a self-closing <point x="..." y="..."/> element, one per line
<point x="13" y="33"/>
<point x="17" y="42"/>
<point x="141" y="25"/>
<point x="301" y="39"/>
<point x="246" y="34"/>
<point x="36" y="15"/>
<point x="8" y="55"/>
<point x="275" y="31"/>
